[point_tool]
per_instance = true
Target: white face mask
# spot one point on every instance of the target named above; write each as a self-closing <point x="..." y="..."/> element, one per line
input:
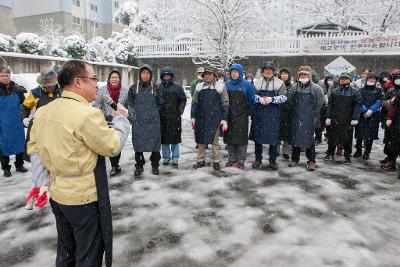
<point x="370" y="83"/>
<point x="304" y="80"/>
<point x="330" y="83"/>
<point x="397" y="82"/>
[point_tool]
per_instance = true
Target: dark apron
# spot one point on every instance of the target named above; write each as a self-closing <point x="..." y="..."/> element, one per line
<point x="265" y="122"/>
<point x="303" y="119"/>
<point x="12" y="135"/>
<point x="238" y="120"/>
<point x="103" y="199"/>
<point x="368" y="128"/>
<point x="170" y="118"/>
<point x="342" y="111"/>
<point x="146" y="135"/>
<point x="208" y="116"/>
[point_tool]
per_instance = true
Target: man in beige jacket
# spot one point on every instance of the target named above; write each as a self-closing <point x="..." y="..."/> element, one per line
<point x="71" y="138"/>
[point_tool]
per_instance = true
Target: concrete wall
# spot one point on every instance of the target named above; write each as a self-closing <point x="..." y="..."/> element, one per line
<point x="6" y="24"/>
<point x="186" y="69"/>
<point x="29" y="65"/>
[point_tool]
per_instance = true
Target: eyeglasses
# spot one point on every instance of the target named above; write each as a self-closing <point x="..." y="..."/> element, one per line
<point x="5" y="75"/>
<point x="94" y="78"/>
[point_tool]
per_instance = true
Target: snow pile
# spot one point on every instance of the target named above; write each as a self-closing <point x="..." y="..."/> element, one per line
<point x="30" y="43"/>
<point x="6" y="43"/>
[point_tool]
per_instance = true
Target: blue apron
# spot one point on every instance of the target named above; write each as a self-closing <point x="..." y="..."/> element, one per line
<point x="302" y="124"/>
<point x="12" y="135"/>
<point x="146" y="134"/>
<point x="265" y="121"/>
<point x="208" y="116"/>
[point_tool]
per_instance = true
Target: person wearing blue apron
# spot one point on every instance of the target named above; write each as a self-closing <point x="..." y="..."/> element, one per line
<point x="368" y="128"/>
<point x="12" y="135"/>
<point x="265" y="117"/>
<point x="241" y="100"/>
<point x="342" y="114"/>
<point x="144" y="101"/>
<point x="209" y="113"/>
<point x="305" y="99"/>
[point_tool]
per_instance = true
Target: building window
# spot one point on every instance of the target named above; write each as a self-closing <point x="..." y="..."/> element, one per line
<point x="76" y="20"/>
<point x="116" y="4"/>
<point x="76" y="3"/>
<point x="93" y="8"/>
<point x="94" y="24"/>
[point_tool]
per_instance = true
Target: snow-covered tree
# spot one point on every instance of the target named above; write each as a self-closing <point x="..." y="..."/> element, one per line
<point x="75" y="46"/>
<point x="30" y="43"/>
<point x="141" y="23"/>
<point x="54" y="36"/>
<point x="223" y="25"/>
<point x="123" y="46"/>
<point x="7" y="43"/>
<point x="99" y="50"/>
<point x="375" y="16"/>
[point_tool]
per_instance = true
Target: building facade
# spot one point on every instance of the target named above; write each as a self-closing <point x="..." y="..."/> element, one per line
<point x="91" y="18"/>
<point x="6" y="25"/>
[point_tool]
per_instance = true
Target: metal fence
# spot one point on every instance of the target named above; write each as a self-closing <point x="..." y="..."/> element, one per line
<point x="349" y="43"/>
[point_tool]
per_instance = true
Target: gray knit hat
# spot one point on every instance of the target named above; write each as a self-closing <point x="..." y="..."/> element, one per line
<point x="47" y="78"/>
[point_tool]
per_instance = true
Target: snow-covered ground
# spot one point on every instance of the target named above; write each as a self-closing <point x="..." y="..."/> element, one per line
<point x="336" y="216"/>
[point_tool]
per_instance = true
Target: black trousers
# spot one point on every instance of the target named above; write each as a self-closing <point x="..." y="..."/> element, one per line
<point x="318" y="134"/>
<point x="310" y="154"/>
<point x="346" y="146"/>
<point x="115" y="160"/>
<point x="154" y="158"/>
<point x="80" y="240"/>
<point x="368" y="145"/>
<point x="5" y="161"/>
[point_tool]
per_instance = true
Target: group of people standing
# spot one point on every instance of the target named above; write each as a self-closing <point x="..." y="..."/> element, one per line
<point x="291" y="115"/>
<point x="72" y="126"/>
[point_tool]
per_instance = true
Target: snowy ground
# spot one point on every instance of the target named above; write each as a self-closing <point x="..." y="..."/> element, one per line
<point x="335" y="216"/>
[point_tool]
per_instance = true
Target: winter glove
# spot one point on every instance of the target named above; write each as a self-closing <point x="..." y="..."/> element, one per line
<point x="328" y="122"/>
<point x="42" y="197"/>
<point x="26" y="122"/>
<point x="262" y="101"/>
<point x="33" y="194"/>
<point x="389" y="123"/>
<point x="224" y="125"/>
<point x="353" y="123"/>
<point x="368" y="113"/>
<point x="268" y="99"/>
<point x="193" y="123"/>
<point x="121" y="111"/>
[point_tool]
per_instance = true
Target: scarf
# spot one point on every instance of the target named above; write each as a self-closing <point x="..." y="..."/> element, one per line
<point x="114" y="91"/>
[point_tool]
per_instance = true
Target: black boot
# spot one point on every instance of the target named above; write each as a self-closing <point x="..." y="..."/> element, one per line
<point x="7" y="173"/>
<point x="154" y="168"/>
<point x="256" y="164"/>
<point x="138" y="170"/>
<point x="115" y="170"/>
<point x="357" y="154"/>
<point x="273" y="165"/>
<point x="366" y="155"/>
<point x="21" y="169"/>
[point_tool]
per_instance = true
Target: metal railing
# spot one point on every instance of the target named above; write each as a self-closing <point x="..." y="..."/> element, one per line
<point x="332" y="43"/>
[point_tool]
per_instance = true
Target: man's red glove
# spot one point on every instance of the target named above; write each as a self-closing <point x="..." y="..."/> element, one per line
<point x="33" y="194"/>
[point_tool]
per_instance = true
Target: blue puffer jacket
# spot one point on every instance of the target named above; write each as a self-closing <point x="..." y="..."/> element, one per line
<point x="241" y="84"/>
